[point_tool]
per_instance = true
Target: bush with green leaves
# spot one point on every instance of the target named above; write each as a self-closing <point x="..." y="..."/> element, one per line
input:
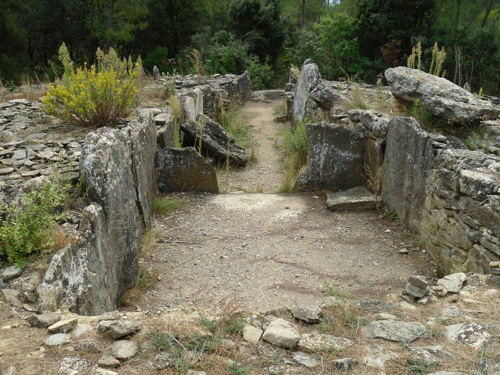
<point x="95" y="96"/>
<point x="27" y="225"/>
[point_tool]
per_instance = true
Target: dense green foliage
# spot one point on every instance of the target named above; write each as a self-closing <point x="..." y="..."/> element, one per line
<point x="353" y="37"/>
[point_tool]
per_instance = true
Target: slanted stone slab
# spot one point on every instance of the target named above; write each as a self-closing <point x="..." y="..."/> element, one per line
<point x="184" y="169"/>
<point x="440" y="96"/>
<point x="215" y="141"/>
<point x="63" y="325"/>
<point x="355" y="199"/>
<point x="394" y="330"/>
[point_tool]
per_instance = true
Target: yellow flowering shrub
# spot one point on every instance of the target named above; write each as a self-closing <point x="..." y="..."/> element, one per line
<point x="94" y="96"/>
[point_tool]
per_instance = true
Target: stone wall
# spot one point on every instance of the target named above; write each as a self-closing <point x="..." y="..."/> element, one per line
<point x="461" y="216"/>
<point x="117" y="167"/>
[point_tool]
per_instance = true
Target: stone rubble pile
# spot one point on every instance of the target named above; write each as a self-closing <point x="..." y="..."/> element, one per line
<point x="293" y="335"/>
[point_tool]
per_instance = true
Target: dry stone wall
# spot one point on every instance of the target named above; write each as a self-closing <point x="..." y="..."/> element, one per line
<point x="461" y="216"/>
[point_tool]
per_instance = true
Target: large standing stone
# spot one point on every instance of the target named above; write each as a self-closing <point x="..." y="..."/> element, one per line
<point x="281" y="333"/>
<point x="335" y="159"/>
<point x="184" y="169"/>
<point x="310" y="77"/>
<point x="215" y="141"/>
<point x="440" y="96"/>
<point x="408" y="160"/>
<point x="118" y="170"/>
<point x="394" y="330"/>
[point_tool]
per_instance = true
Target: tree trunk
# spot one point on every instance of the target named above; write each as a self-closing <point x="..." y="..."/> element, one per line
<point x="110" y="23"/>
<point x="457" y="15"/>
<point x="303" y="19"/>
<point x="489" y="7"/>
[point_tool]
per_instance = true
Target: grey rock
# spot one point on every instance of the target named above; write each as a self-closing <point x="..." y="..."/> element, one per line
<point x="281" y="333"/>
<point x="355" y="199"/>
<point x="58" y="339"/>
<point x="430" y="354"/>
<point x="448" y="373"/>
<point x="345" y="364"/>
<point x="115" y="329"/>
<point x="11" y="272"/>
<point x="470" y="333"/>
<point x="308" y="314"/>
<point x="488" y="366"/>
<point x="110" y="315"/>
<point x="320" y="342"/>
<point x="408" y="160"/>
<point x="184" y="169"/>
<point x="417" y="287"/>
<point x="75" y="366"/>
<point x="44" y="320"/>
<point x="89" y="346"/>
<point x="440" y="96"/>
<point x="453" y="283"/>
<point x="335" y="160"/>
<point x="12" y="296"/>
<point x="117" y="166"/>
<point x="124" y="349"/>
<point x="252" y="334"/>
<point x="108" y="361"/>
<point x="394" y="330"/>
<point x="244" y="86"/>
<point x="215" y="141"/>
<point x="305" y="360"/>
<point x="63" y="326"/>
<point x="419" y="281"/>
<point x="80" y="330"/>
<point x="310" y="77"/>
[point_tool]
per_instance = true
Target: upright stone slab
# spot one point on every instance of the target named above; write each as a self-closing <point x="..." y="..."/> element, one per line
<point x="408" y="160"/>
<point x="118" y="170"/>
<point x="184" y="169"/>
<point x="335" y="159"/>
<point x="310" y="77"/>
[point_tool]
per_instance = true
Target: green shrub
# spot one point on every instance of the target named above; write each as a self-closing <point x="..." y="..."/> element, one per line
<point x="97" y="96"/>
<point x="28" y="225"/>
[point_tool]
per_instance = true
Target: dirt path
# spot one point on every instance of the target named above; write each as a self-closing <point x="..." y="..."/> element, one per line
<point x="265" y="251"/>
<point x="266" y="174"/>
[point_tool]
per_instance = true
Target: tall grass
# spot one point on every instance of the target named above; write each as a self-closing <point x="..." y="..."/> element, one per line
<point x="296" y="148"/>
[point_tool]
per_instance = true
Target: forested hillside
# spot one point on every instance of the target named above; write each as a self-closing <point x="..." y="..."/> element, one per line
<point x="347" y="38"/>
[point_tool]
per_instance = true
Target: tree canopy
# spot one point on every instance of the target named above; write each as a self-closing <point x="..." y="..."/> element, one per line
<point x="354" y="37"/>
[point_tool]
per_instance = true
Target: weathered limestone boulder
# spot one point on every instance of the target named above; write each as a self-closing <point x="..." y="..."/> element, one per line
<point x="355" y="199"/>
<point x="335" y="159"/>
<point x="118" y="170"/>
<point x="115" y="329"/>
<point x="215" y="141"/>
<point x="408" y="160"/>
<point x="184" y="169"/>
<point x="440" y="96"/>
<point x="310" y="77"/>
<point x="281" y="333"/>
<point x="394" y="330"/>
